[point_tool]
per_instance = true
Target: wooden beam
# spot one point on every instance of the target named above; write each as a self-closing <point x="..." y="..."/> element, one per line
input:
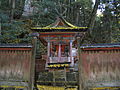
<point x="56" y="35"/>
<point x="103" y="48"/>
<point x="20" y="49"/>
<point x="32" y="71"/>
<point x="80" y="65"/>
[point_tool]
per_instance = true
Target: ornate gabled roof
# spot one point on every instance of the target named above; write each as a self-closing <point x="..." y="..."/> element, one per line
<point x="60" y="25"/>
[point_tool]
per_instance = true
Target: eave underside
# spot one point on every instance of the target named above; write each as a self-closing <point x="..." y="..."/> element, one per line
<point x="59" y="30"/>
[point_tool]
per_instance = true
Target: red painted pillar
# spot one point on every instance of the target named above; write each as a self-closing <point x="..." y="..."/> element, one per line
<point x="48" y="52"/>
<point x="71" y="53"/>
<point x="51" y="53"/>
<point x="59" y="53"/>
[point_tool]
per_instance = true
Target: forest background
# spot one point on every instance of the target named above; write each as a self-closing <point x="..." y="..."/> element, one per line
<point x="18" y="16"/>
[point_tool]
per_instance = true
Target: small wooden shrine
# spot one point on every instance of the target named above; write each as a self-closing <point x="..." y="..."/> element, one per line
<point x="59" y="38"/>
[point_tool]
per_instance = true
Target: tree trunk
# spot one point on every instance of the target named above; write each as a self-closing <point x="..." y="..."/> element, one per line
<point x="77" y="18"/>
<point x="9" y="2"/>
<point x="13" y="9"/>
<point x="21" y="2"/>
<point x="0" y="26"/>
<point x="93" y="15"/>
<point x="0" y="19"/>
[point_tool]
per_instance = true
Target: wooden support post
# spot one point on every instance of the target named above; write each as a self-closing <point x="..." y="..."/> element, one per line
<point x="80" y="65"/>
<point x="71" y="53"/>
<point x="54" y="83"/>
<point x="32" y="72"/>
<point x="59" y="53"/>
<point x="51" y="52"/>
<point x="48" y="52"/>
<point x="65" y="75"/>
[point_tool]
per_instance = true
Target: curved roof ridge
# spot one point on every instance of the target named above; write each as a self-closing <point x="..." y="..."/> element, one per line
<point x="60" y="25"/>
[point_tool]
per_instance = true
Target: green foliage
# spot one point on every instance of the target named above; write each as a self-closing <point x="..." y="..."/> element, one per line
<point x="75" y="11"/>
<point x="4" y="5"/>
<point x="107" y="26"/>
<point x="12" y="31"/>
<point x="4" y="17"/>
<point x="44" y="13"/>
